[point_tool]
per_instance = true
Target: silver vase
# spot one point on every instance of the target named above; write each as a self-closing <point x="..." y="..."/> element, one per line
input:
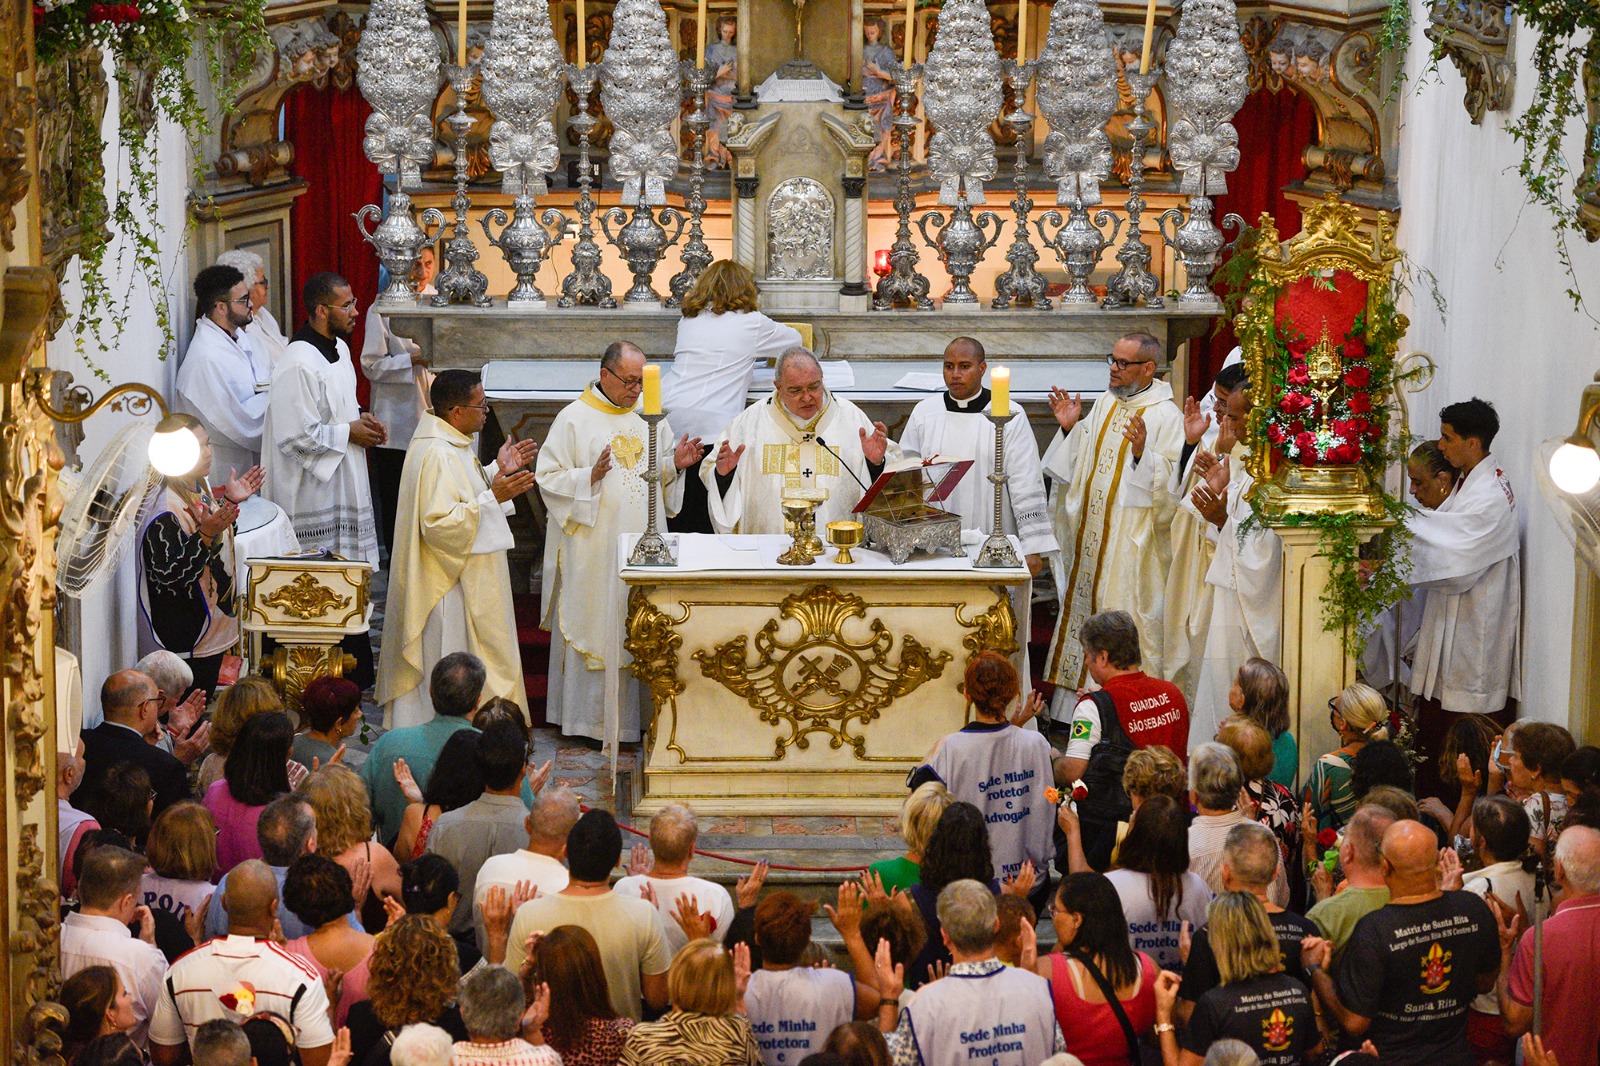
<point x="525" y="242"/>
<point x="961" y="244"/>
<point x="1078" y="243"/>
<point x="399" y="242"/>
<point x="643" y="242"/>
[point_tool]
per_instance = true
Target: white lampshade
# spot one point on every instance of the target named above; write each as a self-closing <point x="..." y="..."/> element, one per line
<point x="174" y="450"/>
<point x="1575" y="467"/>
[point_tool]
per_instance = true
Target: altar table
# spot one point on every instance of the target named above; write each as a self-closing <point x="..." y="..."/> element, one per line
<point x="809" y="690"/>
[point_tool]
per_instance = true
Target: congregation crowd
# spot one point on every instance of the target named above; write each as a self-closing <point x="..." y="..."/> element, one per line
<point x="234" y="893"/>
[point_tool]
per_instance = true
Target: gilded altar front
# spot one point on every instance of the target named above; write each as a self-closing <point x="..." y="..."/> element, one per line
<point x="806" y="690"/>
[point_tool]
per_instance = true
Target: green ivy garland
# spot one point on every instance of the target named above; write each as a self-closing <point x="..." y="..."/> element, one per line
<point x="153" y="42"/>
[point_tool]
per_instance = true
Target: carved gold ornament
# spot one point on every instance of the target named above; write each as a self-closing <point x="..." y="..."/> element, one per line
<point x="824" y="681"/>
<point x="292" y="667"/>
<point x="654" y="645"/>
<point x="305" y="597"/>
<point x="992" y="630"/>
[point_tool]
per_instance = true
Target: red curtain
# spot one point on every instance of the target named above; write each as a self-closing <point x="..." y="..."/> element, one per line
<point x="325" y="127"/>
<point x="1274" y="130"/>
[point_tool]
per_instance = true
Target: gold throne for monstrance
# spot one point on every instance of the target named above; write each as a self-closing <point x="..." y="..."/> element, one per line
<point x="307" y="605"/>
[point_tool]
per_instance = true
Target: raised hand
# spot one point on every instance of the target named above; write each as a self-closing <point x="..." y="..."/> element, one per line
<point x="694" y="922"/>
<point x="195" y="923"/>
<point x="1227" y="436"/>
<point x="1449" y="870"/>
<point x="640" y="861"/>
<point x="1195" y="421"/>
<point x="1534" y="1053"/>
<point x="748" y="888"/>
<point x="337" y="756"/>
<point x="728" y="458"/>
<point x="213" y="520"/>
<point x="536" y="1015"/>
<point x="508" y="486"/>
<point x="240" y="487"/>
<point x="741" y="968"/>
<point x="408" y="784"/>
<point x="1136" y="434"/>
<point x="872" y="886"/>
<point x="602" y="466"/>
<point x="847" y="916"/>
<point x="936" y="970"/>
<point x="1204" y="461"/>
<point x="686" y="452"/>
<point x="1066" y="407"/>
<point x="1030" y="709"/>
<point x="875" y="445"/>
<point x="497" y="913"/>
<point x="333" y="983"/>
<point x="1021" y="884"/>
<point x="393" y="910"/>
<point x="1217" y="477"/>
<point x="183" y="717"/>
<point x="530" y="957"/>
<point x="891" y="975"/>
<point x="360" y="880"/>
<point x="1029" y="954"/>
<point x="515" y="454"/>
<point x="1210" y="503"/>
<point x="192" y="747"/>
<point x="341" y="1053"/>
<point x="540" y="777"/>
<point x="1470" y="780"/>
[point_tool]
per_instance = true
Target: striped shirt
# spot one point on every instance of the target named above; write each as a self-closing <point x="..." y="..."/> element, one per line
<point x="234" y="977"/>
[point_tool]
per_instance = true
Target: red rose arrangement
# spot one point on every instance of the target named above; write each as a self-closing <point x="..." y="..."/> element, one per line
<point x="1297" y="426"/>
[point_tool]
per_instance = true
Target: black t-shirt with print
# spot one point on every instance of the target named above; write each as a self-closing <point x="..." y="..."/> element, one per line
<point x="1413" y="968"/>
<point x="1200" y="972"/>
<point x="1272" y="1014"/>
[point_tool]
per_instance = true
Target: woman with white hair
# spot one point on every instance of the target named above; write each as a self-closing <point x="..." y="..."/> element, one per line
<point x="1216" y="785"/>
<point x="421" y="1045"/>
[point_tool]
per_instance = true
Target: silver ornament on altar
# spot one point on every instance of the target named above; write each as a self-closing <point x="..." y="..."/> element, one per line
<point x="1020" y="281"/>
<point x="1077" y="94"/>
<point x="639" y="91"/>
<point x="1199" y="244"/>
<point x="586" y="283"/>
<point x="904" y="283"/>
<point x="696" y="253"/>
<point x="522" y="71"/>
<point x="525" y="241"/>
<point x="460" y="281"/>
<point x="397" y="70"/>
<point x="1134" y="282"/>
<point x="643" y="242"/>
<point x="399" y="242"/>
<point x="1078" y="243"/>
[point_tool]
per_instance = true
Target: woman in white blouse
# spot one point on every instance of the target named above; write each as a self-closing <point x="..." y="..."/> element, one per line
<point x="722" y="337"/>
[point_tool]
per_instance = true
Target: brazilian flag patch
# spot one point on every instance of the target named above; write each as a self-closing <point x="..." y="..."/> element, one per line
<point x="1080" y="729"/>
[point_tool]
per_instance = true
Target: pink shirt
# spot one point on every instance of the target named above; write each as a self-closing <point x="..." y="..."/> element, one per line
<point x="351" y="991"/>
<point x="236" y="827"/>
<point x="1571" y="974"/>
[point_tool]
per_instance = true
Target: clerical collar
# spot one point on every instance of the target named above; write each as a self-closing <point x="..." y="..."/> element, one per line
<point x="971" y="405"/>
<point x="596" y="398"/>
<point x="328" y="346"/>
<point x="809" y="429"/>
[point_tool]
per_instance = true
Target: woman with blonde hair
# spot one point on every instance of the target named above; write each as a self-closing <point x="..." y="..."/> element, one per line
<point x="244" y="699"/>
<point x="1358" y="715"/>
<point x="722" y="338"/>
<point x="1256" y="1003"/>
<point x="411" y="980"/>
<point x="704" y="1026"/>
<point x="339" y="798"/>
<point x="918" y="815"/>
<point x="182" y="853"/>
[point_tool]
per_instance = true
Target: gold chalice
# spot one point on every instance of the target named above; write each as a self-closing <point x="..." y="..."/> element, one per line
<point x="795" y="514"/>
<point x="844" y="536"/>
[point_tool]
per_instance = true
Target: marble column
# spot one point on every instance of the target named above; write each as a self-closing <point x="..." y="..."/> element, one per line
<point x="855" y="138"/>
<point x="744" y="222"/>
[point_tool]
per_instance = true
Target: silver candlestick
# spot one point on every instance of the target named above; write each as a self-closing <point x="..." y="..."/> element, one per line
<point x="652" y="548"/>
<point x="1020" y="282"/>
<point x="696" y="254"/>
<point x="997" y="551"/>
<point x="586" y="283"/>
<point x="460" y="282"/>
<point x="1134" y="282"/>
<point x="525" y="241"/>
<point x="399" y="242"/>
<point x="903" y="284"/>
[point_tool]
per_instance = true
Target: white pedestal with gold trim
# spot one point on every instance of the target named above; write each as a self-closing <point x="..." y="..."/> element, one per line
<point x="806" y="690"/>
<point x="308" y="606"/>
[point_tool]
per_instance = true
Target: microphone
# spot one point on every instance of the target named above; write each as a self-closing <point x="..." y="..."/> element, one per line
<point x="824" y="445"/>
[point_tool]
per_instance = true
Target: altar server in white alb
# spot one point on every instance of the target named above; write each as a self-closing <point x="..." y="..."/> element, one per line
<point x="397" y="373"/>
<point x="802" y="438"/>
<point x="223" y="379"/>
<point x="1111" y="519"/>
<point x="316" y="436"/>
<point x="1187" y="603"/>
<point x="450" y="589"/>
<point x="1464" y="553"/>
<point x="956" y="424"/>
<point x="1246" y="577"/>
<point x="589" y="474"/>
<point x="263" y="328"/>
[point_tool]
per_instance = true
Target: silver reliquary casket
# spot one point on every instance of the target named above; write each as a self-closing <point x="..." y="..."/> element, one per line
<point x="903" y="510"/>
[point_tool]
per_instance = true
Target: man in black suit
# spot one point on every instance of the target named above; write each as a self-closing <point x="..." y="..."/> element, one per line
<point x="132" y="705"/>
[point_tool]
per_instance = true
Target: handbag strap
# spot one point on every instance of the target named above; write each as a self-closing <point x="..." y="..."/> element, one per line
<point x="1110" y="993"/>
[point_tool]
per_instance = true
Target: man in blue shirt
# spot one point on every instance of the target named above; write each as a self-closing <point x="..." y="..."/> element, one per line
<point x="286" y="830"/>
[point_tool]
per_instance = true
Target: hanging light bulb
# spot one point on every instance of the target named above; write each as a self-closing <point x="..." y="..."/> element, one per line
<point x="175" y="450"/>
<point x="1575" y="466"/>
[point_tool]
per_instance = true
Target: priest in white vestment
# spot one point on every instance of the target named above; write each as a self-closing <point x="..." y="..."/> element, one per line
<point x="263" y="329"/>
<point x="802" y="438"/>
<point x="1112" y="523"/>
<point x="223" y="378"/>
<point x="955" y="424"/>
<point x="1465" y="554"/>
<point x="1187" y="607"/>
<point x="1246" y="578"/>
<point x="449" y="586"/>
<point x="589" y="474"/>
<point x="316" y="436"/>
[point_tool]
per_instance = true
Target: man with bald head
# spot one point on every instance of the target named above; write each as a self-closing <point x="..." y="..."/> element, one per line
<point x="955" y="424"/>
<point x="1413" y="966"/>
<point x="590" y="474"/>
<point x="801" y="439"/>
<point x="245" y="972"/>
<point x="132" y="706"/>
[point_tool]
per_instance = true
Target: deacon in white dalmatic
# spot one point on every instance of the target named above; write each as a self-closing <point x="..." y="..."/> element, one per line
<point x="1246" y="575"/>
<point x="222" y="381"/>
<point x="1111" y="521"/>
<point x="802" y="438"/>
<point x="1464" y="553"/>
<point x="450" y="588"/>
<point x="316" y="438"/>
<point x="956" y="424"/>
<point x="589" y="474"/>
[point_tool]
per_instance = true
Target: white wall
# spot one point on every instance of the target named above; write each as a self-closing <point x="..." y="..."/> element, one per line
<point x="110" y="612"/>
<point x="1511" y="334"/>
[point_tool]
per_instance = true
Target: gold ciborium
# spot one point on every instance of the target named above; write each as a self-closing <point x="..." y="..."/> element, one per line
<point x="844" y="536"/>
<point x="799" y="519"/>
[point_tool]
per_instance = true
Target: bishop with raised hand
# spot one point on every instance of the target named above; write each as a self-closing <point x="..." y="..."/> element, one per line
<point x="800" y="439"/>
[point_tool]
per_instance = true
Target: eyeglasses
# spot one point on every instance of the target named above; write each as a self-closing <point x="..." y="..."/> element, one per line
<point x="1124" y="364"/>
<point x="472" y="406"/>
<point x="348" y="305"/>
<point x="157" y="699"/>
<point x="243" y="300"/>
<point x="627" y="383"/>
